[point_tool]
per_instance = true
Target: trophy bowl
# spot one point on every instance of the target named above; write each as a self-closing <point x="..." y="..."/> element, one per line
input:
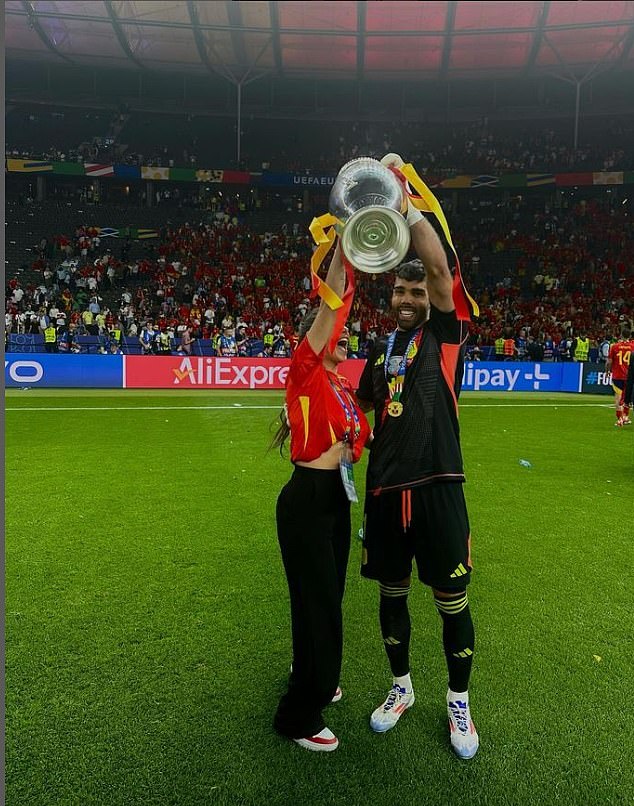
<point x="371" y="204"/>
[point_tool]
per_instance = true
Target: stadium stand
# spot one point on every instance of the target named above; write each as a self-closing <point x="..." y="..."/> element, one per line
<point x="547" y="271"/>
<point x="180" y="140"/>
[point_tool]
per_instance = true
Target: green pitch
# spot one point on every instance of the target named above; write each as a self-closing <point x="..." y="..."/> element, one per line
<point x="147" y="621"/>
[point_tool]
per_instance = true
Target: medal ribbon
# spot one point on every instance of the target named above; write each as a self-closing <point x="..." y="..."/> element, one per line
<point x="349" y="410"/>
<point x="395" y="387"/>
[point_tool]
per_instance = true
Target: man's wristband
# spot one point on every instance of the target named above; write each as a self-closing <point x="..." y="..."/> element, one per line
<point x="413" y="215"/>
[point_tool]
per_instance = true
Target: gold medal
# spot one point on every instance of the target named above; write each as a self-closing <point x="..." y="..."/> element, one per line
<point x="395" y="408"/>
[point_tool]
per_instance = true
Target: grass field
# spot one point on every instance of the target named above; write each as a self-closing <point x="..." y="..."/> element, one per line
<point x="147" y="620"/>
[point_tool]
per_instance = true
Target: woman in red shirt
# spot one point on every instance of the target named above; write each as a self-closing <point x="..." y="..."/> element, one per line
<point x="328" y="433"/>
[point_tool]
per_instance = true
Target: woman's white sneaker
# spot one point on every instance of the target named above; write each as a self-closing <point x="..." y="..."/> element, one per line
<point x="324" y="742"/>
<point x="390" y="711"/>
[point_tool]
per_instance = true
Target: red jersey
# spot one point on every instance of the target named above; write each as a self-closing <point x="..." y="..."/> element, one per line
<point x="619" y="355"/>
<point x="321" y="407"/>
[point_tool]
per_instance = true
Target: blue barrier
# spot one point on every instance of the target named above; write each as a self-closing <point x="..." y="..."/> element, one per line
<point x="513" y="376"/>
<point x="107" y="371"/>
<point x="65" y="371"/>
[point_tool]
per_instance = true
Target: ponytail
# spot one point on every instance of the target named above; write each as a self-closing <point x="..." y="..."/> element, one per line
<point x="283" y="430"/>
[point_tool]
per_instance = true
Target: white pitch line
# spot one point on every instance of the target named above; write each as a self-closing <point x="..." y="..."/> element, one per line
<point x="141" y="408"/>
<point x="535" y="405"/>
<point x="242" y="407"/>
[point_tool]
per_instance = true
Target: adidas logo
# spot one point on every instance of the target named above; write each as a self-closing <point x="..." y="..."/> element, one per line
<point x="459" y="572"/>
<point x="391" y="641"/>
<point x="380" y="360"/>
<point x="464" y="654"/>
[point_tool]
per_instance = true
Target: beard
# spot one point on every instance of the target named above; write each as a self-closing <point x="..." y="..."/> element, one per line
<point x="411" y="318"/>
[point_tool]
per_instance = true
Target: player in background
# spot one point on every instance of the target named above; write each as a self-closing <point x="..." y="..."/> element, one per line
<point x="618" y="364"/>
<point x="628" y="394"/>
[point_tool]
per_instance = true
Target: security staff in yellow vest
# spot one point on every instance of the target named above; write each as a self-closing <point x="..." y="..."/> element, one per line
<point x="269" y="338"/>
<point x="353" y="345"/>
<point x="115" y="334"/>
<point x="50" y="338"/>
<point x="581" y="347"/>
<point x="499" y="348"/>
<point x="165" y="343"/>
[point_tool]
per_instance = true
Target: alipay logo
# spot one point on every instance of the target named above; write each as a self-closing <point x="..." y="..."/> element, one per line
<point x="507" y="378"/>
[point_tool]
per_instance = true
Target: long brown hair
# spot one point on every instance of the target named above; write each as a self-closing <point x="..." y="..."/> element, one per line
<point x="283" y="425"/>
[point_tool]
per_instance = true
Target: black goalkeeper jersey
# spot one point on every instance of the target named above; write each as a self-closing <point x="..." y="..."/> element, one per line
<point x="423" y="444"/>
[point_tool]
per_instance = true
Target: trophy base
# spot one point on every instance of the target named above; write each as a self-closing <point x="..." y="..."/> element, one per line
<point x="375" y="239"/>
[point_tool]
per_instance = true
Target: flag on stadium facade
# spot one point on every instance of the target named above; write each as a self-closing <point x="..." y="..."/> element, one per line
<point x="69" y="168"/>
<point x="572" y="180"/>
<point x="154" y="172"/>
<point x="607" y="178"/>
<point x="98" y="169"/>
<point x="108" y="232"/>
<point x="183" y="174"/>
<point x="484" y="181"/>
<point x="514" y="180"/>
<point x="536" y="180"/>
<point x="127" y="171"/>
<point x="29" y="166"/>
<point x="143" y="233"/>
<point x="457" y="182"/>
<point x="204" y="175"/>
<point x="236" y="177"/>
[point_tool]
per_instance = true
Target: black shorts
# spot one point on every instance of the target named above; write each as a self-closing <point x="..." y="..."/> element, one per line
<point x="428" y="523"/>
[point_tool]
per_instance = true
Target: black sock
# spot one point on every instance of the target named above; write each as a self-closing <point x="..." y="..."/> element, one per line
<point x="458" y="638"/>
<point x="395" y="626"/>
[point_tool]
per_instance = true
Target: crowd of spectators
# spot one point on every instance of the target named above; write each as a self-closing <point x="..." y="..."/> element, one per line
<point x="481" y="146"/>
<point x="477" y="147"/>
<point x="214" y="280"/>
<point x="570" y="272"/>
<point x="87" y="135"/>
<point x="545" y="277"/>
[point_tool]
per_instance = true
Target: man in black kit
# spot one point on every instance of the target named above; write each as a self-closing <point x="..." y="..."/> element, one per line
<point x="415" y="506"/>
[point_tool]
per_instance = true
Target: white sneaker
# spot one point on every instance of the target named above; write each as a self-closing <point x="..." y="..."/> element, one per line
<point x="627" y="421"/>
<point x="462" y="732"/>
<point x="389" y="712"/>
<point x="323" y="742"/>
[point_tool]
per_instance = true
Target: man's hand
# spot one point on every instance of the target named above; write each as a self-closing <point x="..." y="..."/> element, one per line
<point x="396" y="161"/>
<point x="392" y="161"/>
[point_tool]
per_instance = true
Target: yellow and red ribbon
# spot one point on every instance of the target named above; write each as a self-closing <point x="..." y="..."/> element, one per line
<point x="466" y="306"/>
<point x="344" y="311"/>
<point x="324" y="234"/>
<point x="323" y="231"/>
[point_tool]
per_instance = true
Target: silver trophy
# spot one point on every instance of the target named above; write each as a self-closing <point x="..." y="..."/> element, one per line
<point x="371" y="204"/>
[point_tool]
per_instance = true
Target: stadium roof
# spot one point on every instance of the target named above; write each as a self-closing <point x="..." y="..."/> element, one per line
<point x="380" y="40"/>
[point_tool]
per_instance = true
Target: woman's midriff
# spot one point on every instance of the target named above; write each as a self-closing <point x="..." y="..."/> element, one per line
<point x="329" y="460"/>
